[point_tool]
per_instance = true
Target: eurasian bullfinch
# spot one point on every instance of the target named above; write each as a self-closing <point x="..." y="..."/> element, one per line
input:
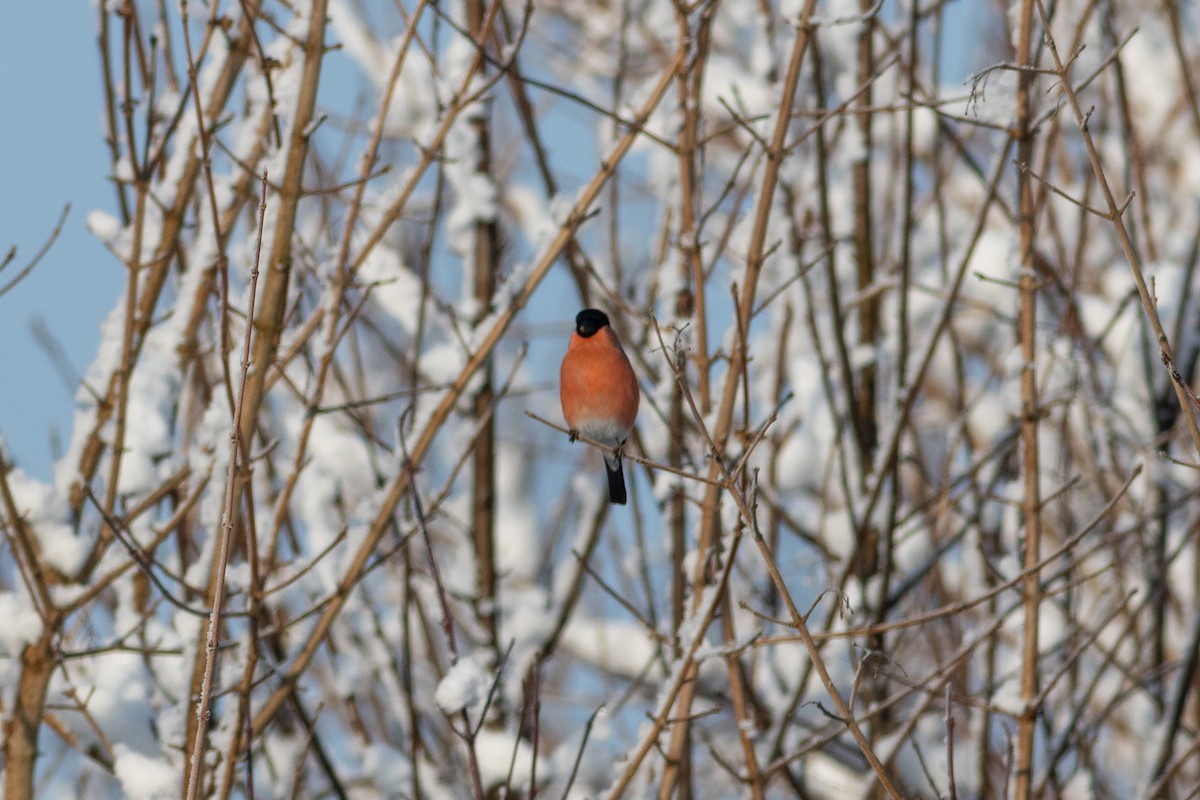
<point x="599" y="391"/>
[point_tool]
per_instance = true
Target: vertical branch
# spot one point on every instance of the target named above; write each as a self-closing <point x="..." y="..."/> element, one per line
<point x="1031" y="505"/>
<point x="906" y="231"/>
<point x="222" y="262"/>
<point x="868" y="310"/>
<point x="269" y="322"/>
<point x="21" y="729"/>
<point x="690" y="299"/>
<point x="865" y="558"/>
<point x="111" y="136"/>
<point x="221" y="552"/>
<point x="1135" y="162"/>
<point x="485" y="266"/>
<point x="740" y="691"/>
<point x="133" y="265"/>
<point x="833" y="287"/>
<point x="407" y="603"/>
<point x="676" y="520"/>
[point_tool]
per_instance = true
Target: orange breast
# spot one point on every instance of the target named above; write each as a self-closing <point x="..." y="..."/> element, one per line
<point x="597" y="385"/>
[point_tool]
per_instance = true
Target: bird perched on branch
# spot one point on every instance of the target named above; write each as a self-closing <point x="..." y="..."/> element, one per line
<point x="599" y="391"/>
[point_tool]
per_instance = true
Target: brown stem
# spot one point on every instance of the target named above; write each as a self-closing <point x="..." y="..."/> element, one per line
<point x="237" y="467"/>
<point x="1031" y="504"/>
<point x="22" y="728"/>
<point x="485" y="266"/>
<point x="268" y="325"/>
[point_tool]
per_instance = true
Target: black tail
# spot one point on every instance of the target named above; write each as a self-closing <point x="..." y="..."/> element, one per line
<point x="616" y="482"/>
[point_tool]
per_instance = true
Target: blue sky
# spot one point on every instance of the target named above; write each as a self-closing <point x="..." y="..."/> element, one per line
<point x="51" y="153"/>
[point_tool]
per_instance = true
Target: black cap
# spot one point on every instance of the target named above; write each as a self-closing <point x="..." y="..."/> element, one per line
<point x="590" y="320"/>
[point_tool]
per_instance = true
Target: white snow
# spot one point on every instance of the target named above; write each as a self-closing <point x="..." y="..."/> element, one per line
<point x="21" y="624"/>
<point x="622" y="648"/>
<point x="498" y="751"/>
<point x="145" y="777"/>
<point x="45" y="512"/>
<point x="465" y="684"/>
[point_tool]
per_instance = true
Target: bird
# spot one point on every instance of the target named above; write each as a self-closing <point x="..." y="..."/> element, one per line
<point x="599" y="392"/>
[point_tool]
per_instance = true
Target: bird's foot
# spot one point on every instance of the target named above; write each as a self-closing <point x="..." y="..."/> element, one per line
<point x="573" y="435"/>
